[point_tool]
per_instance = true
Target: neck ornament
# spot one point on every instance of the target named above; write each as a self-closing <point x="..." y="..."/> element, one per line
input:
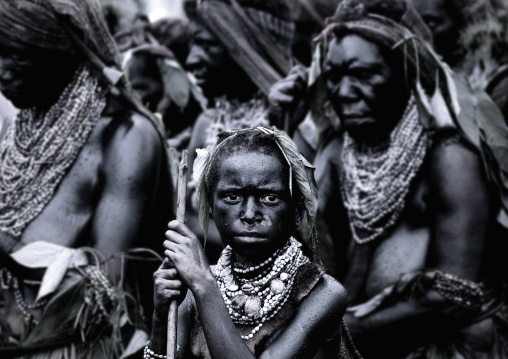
<point x="255" y="295"/>
<point x="41" y="146"/>
<point x="377" y="178"/>
<point x="236" y="115"/>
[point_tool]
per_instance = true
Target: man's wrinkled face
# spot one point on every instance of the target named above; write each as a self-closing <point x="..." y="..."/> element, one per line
<point x="443" y="20"/>
<point x="30" y="76"/>
<point x="367" y="91"/>
<point x="252" y="205"/>
<point x="208" y="60"/>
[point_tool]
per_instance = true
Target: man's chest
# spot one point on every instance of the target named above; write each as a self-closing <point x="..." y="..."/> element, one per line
<point x="402" y="248"/>
<point x="406" y="246"/>
<point x="65" y="220"/>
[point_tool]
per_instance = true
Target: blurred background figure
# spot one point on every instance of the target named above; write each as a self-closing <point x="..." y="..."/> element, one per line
<point x="412" y="195"/>
<point x="471" y="37"/>
<point x="83" y="164"/>
<point x="119" y="15"/>
<point x="309" y="17"/>
<point x="153" y="54"/>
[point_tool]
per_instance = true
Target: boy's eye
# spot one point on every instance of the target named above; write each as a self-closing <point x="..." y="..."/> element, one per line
<point x="270" y="199"/>
<point x="232" y="198"/>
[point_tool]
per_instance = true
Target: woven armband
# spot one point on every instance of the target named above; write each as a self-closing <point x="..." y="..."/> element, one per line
<point x="463" y="293"/>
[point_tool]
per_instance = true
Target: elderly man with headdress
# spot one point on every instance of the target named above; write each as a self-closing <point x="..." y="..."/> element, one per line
<point x="265" y="298"/>
<point x="412" y="187"/>
<point x="470" y="35"/>
<point x="239" y="49"/>
<point x="83" y="165"/>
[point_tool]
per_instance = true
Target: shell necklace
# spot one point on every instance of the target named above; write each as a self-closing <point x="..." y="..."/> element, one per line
<point x="376" y="180"/>
<point x="255" y="299"/>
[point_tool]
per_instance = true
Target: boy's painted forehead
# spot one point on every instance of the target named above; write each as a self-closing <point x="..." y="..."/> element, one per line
<point x="254" y="170"/>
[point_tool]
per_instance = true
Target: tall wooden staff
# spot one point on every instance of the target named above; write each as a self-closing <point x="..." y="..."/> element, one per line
<point x="180" y="217"/>
<point x="287" y="122"/>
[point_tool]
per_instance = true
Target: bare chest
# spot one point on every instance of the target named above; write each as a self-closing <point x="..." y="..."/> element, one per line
<point x="65" y="220"/>
<point x="405" y="249"/>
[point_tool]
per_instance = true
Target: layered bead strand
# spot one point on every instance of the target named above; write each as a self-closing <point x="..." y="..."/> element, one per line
<point x="377" y="178"/>
<point x="40" y="147"/>
<point x="234" y="115"/>
<point x="254" y="300"/>
<point x="10" y="282"/>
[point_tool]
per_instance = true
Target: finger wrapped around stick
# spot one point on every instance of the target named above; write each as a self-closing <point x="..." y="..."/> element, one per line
<point x="180" y="228"/>
<point x="168" y="286"/>
<point x="183" y="249"/>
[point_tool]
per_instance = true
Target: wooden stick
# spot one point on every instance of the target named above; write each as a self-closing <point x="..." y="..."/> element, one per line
<point x="182" y="188"/>
<point x="287" y="122"/>
<point x="180" y="217"/>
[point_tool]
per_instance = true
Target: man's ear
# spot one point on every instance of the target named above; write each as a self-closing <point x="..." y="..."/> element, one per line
<point x="299" y="211"/>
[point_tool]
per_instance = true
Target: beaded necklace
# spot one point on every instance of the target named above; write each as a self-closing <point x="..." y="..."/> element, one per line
<point x="235" y="115"/>
<point x="41" y="146"/>
<point x="376" y="179"/>
<point x="256" y="298"/>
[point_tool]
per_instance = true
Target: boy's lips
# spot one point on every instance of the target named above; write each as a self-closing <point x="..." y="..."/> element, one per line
<point x="249" y="236"/>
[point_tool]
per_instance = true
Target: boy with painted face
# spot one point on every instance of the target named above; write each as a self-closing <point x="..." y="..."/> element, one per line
<point x="264" y="298"/>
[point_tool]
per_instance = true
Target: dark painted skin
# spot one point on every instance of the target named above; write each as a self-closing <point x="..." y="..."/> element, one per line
<point x="146" y="80"/>
<point x="444" y="21"/>
<point x="236" y="202"/>
<point x="445" y="225"/>
<point x="258" y="216"/>
<point x="361" y="81"/>
<point x="215" y="71"/>
<point x="116" y="189"/>
<point x="25" y="71"/>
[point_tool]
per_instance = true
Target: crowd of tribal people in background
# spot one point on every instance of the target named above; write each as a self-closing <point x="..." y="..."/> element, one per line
<point x="347" y="190"/>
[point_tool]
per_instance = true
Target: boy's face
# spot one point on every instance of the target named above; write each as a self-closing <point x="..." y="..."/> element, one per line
<point x="252" y="205"/>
